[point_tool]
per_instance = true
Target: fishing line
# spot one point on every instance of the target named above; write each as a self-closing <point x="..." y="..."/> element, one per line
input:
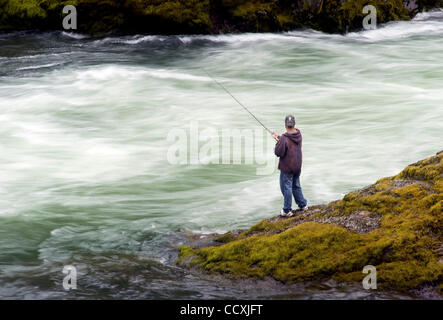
<point x="241" y="104"/>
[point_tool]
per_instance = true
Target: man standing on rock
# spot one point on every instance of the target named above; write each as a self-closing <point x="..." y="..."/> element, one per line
<point x="288" y="149"/>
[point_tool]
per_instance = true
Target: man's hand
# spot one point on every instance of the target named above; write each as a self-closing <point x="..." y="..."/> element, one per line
<point x="275" y="135"/>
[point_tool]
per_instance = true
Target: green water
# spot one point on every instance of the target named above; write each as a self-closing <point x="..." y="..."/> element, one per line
<point x="84" y="124"/>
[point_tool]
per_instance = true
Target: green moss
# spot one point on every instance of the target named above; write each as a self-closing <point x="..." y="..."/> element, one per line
<point x="266" y="225"/>
<point x="285" y="20"/>
<point x="184" y="12"/>
<point x="413" y="273"/>
<point x="249" y="10"/>
<point x="427" y="170"/>
<point x="186" y="253"/>
<point x="404" y="248"/>
<point x="225" y="238"/>
<point x="24" y="9"/>
<point x="23" y="13"/>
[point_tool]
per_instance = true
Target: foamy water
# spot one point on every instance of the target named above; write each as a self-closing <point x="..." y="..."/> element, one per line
<point x="83" y="155"/>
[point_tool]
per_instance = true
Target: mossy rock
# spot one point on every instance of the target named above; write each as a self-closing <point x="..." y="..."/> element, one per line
<point x="406" y="246"/>
<point x="225" y="238"/>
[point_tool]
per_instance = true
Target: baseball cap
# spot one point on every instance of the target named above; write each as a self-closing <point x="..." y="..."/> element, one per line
<point x="290" y="121"/>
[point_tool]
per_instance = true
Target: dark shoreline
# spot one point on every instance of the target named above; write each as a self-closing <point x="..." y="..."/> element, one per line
<point x="174" y="17"/>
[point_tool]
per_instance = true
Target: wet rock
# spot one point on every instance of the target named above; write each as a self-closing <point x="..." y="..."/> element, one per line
<point x="410" y="4"/>
<point x="360" y="221"/>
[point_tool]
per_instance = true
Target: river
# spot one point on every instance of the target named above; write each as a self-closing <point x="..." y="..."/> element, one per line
<point x="87" y="126"/>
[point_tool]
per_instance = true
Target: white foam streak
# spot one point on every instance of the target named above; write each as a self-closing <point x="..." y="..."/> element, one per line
<point x="422" y="25"/>
<point x="72" y="35"/>
<point x="137" y="39"/>
<point x="39" y="66"/>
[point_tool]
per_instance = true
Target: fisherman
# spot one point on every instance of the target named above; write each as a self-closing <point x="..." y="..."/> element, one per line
<point x="288" y="149"/>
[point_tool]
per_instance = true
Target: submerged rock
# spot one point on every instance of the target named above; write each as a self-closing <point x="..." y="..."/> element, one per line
<point x="204" y="16"/>
<point x="395" y="224"/>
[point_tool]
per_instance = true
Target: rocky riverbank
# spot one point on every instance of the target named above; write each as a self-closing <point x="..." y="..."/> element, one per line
<point x="204" y="16"/>
<point x="395" y="225"/>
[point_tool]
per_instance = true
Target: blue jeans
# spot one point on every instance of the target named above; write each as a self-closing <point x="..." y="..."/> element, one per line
<point x="290" y="186"/>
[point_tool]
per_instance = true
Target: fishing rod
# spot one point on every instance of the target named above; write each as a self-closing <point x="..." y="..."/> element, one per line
<point x="241" y="104"/>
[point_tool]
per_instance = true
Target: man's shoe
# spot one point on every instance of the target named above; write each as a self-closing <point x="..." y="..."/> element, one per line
<point x="285" y="214"/>
<point x="300" y="209"/>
